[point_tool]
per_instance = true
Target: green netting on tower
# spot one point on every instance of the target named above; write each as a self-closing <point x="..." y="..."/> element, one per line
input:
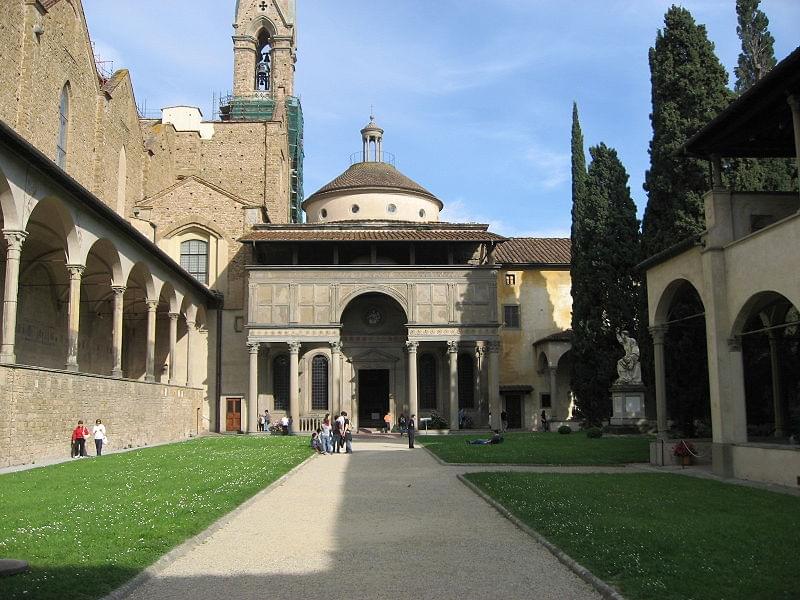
<point x="294" y="112"/>
<point x="247" y="109"/>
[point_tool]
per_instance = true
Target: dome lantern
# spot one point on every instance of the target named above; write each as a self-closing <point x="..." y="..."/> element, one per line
<point x="372" y="139"/>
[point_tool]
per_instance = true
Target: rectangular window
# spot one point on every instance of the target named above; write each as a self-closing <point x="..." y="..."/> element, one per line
<point x="194" y="258"/>
<point x="511" y="316"/>
<point x="546" y="402"/>
<point x="511" y="279"/>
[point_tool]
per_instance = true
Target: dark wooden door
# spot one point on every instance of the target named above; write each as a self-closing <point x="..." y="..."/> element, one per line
<point x="233" y="421"/>
<point x="373" y="397"/>
<point x="514" y="411"/>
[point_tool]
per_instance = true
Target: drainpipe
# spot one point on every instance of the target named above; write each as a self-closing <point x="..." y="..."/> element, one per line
<point x="218" y="368"/>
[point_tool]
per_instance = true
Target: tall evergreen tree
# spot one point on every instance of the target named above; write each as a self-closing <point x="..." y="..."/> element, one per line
<point x="605" y="252"/>
<point x="688" y="90"/>
<point x="578" y="165"/>
<point x="755" y="61"/>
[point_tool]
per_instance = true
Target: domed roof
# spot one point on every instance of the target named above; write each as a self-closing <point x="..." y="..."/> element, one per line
<point x="371" y="176"/>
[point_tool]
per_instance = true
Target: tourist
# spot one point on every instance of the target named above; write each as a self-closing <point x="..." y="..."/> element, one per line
<point x="387" y="422"/>
<point x="99" y="433"/>
<point x="338" y="431"/>
<point x="267" y="420"/>
<point x="290" y="425"/>
<point x="461" y="417"/>
<point x="347" y="435"/>
<point x="545" y="423"/>
<point x="412" y="428"/>
<point x="285" y="424"/>
<point x="503" y="421"/>
<point x="316" y="444"/>
<point x="495" y="439"/>
<point x="401" y="422"/>
<point x="326" y="434"/>
<point x="79" y="435"/>
<point x="261" y="423"/>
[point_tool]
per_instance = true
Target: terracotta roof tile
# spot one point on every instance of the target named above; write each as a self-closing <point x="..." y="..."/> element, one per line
<point x="538" y="251"/>
<point x="371" y="175"/>
<point x="369" y="235"/>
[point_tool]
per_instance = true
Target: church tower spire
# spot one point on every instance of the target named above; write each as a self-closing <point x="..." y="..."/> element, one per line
<point x="264" y="49"/>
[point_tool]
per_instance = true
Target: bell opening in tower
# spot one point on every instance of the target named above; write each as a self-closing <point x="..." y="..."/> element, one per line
<point x="264" y="64"/>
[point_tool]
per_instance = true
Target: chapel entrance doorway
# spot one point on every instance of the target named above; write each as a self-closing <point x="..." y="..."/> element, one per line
<point x="233" y="420"/>
<point x="373" y="396"/>
<point x="514" y="411"/>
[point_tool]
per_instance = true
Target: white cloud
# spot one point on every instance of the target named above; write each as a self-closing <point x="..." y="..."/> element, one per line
<point x="551" y="168"/>
<point x="460" y="211"/>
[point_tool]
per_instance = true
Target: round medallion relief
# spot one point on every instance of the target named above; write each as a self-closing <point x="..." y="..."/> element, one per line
<point x="373" y="316"/>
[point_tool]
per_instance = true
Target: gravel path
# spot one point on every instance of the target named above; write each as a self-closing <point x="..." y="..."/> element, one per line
<point x="384" y="522"/>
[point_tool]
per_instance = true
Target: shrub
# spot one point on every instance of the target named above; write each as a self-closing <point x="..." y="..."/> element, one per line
<point x="594" y="432"/>
<point x="437" y="422"/>
<point x="564" y="429"/>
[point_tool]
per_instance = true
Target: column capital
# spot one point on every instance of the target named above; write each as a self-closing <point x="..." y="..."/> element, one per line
<point x="336" y="347"/>
<point x="411" y="347"/>
<point x="480" y="351"/>
<point x="294" y="347"/>
<point x="657" y="332"/>
<point x="452" y="346"/>
<point x="190" y="325"/>
<point x="494" y="347"/>
<point x="174" y="316"/>
<point x="14" y="239"/>
<point x="76" y="271"/>
<point x="152" y="305"/>
<point x="119" y="290"/>
<point x="254" y="347"/>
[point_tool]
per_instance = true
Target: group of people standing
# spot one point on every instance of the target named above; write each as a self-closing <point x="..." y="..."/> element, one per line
<point x="331" y="437"/>
<point x="81" y="433"/>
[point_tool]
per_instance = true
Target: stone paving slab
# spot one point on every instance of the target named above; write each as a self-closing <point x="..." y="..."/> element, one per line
<point x="384" y="522"/>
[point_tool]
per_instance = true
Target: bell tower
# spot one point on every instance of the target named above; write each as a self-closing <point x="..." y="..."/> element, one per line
<point x="264" y="49"/>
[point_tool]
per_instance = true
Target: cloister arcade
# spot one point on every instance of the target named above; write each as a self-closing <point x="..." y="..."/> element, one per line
<point x="79" y="295"/>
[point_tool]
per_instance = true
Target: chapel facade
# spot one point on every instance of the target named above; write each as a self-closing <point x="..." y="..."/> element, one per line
<point x="168" y="276"/>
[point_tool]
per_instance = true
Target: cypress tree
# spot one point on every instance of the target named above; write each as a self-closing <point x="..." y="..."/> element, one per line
<point x="755" y="61"/>
<point x="688" y="90"/>
<point x="606" y="238"/>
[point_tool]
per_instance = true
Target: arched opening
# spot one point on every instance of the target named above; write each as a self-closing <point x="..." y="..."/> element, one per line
<point x="139" y="289"/>
<point x="194" y="259"/>
<point x="319" y="383"/>
<point x="280" y="382"/>
<point x="166" y="318"/>
<point x="686" y="360"/>
<point x="263" y="61"/>
<point x="769" y="326"/>
<point x="373" y="334"/>
<point x="95" y="348"/>
<point x="466" y="381"/>
<point x="62" y="143"/>
<point x="428" y="397"/>
<point x="43" y="297"/>
<point x="563" y="400"/>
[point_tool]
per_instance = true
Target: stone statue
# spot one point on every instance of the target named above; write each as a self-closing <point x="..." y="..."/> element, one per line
<point x="628" y="367"/>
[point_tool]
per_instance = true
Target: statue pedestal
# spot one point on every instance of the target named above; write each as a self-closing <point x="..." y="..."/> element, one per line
<point x="628" y="402"/>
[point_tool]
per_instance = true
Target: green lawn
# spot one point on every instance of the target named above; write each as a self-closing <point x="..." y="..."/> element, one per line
<point x="660" y="536"/>
<point x="89" y="525"/>
<point x="542" y="449"/>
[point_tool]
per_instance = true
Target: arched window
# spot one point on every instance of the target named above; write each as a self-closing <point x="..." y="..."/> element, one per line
<point x="466" y="381"/>
<point x="280" y="387"/>
<point x="63" y="127"/>
<point x="319" y="383"/>
<point x="264" y="64"/>
<point x="427" y="382"/>
<point x="194" y="258"/>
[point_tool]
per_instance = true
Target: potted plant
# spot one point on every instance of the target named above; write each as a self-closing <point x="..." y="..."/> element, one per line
<point x="685" y="452"/>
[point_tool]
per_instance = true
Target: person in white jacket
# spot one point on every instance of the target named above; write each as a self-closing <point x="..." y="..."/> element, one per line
<point x="99" y="432"/>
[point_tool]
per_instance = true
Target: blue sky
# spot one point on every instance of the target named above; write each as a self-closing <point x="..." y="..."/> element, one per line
<point x="475" y="95"/>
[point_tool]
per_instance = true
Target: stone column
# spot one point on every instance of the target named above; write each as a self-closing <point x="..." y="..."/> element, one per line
<point x="452" y="355"/>
<point x="294" y="385"/>
<point x="150" y="362"/>
<point x="336" y="379"/>
<point x="794" y="103"/>
<point x="173" y="343"/>
<point x="659" y="333"/>
<point x="116" y="329"/>
<point x="479" y="352"/>
<point x="777" y="388"/>
<point x="14" y="241"/>
<point x="553" y="388"/>
<point x="74" y="321"/>
<point x="191" y="370"/>
<point x="494" y="384"/>
<point x="252" y="390"/>
<point x="412" y="377"/>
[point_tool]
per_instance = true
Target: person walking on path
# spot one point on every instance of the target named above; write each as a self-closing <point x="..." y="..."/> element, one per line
<point x="267" y="420"/>
<point x="326" y="434"/>
<point x="79" y="435"/>
<point x="401" y="423"/>
<point x="347" y="434"/>
<point x="338" y="431"/>
<point x="412" y="428"/>
<point x="387" y="419"/>
<point x="99" y="433"/>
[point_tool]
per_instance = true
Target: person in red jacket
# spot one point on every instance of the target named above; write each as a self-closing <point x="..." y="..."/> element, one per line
<point x="79" y="435"/>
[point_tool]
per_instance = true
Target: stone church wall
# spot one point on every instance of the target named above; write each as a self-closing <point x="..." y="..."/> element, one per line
<point x="135" y="413"/>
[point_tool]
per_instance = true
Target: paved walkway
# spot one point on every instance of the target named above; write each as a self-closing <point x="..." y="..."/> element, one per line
<point x="385" y="522"/>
